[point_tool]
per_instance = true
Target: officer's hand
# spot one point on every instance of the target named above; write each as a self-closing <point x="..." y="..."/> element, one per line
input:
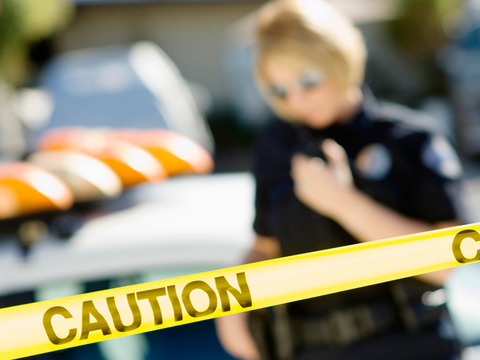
<point x="324" y="187"/>
<point x="234" y="335"/>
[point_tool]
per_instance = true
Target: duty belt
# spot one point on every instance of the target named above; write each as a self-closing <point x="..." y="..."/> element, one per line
<point x="341" y="327"/>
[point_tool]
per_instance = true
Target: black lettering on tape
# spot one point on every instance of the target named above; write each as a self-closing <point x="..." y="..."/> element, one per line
<point x="117" y="321"/>
<point x="243" y="295"/>
<point x="457" y="242"/>
<point x="47" y="324"/>
<point x="87" y="327"/>
<point x="177" y="308"/>
<point x="152" y="296"/>
<point x="187" y="302"/>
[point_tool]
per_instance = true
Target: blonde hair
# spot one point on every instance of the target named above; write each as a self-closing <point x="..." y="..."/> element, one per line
<point x="311" y="32"/>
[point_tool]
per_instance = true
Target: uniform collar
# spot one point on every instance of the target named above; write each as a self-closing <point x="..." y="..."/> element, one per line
<point x="365" y="112"/>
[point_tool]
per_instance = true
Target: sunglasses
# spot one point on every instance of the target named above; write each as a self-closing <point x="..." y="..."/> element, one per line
<point x="306" y="81"/>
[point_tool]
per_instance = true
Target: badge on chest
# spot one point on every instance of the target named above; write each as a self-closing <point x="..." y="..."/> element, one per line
<point x="374" y="162"/>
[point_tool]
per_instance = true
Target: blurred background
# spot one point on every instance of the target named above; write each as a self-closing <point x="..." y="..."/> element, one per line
<point x="186" y="66"/>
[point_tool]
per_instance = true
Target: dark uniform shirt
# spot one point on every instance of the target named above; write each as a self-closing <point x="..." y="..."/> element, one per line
<point x="396" y="157"/>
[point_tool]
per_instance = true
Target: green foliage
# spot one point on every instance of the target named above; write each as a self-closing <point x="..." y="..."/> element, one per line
<point x="419" y="30"/>
<point x="23" y="22"/>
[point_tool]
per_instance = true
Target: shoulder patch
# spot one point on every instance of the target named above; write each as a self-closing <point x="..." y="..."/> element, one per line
<point x="439" y="156"/>
<point x="374" y="162"/>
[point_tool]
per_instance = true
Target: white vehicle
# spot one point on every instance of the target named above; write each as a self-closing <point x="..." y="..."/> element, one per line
<point x="151" y="231"/>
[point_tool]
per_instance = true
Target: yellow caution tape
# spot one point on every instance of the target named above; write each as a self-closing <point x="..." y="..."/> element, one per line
<point x="37" y="328"/>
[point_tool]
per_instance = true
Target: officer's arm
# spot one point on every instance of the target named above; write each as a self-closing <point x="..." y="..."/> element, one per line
<point x="232" y="330"/>
<point x="264" y="248"/>
<point x="328" y="189"/>
<point x="369" y="220"/>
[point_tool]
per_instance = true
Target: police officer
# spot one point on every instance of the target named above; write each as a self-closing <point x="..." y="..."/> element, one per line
<point x="341" y="167"/>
